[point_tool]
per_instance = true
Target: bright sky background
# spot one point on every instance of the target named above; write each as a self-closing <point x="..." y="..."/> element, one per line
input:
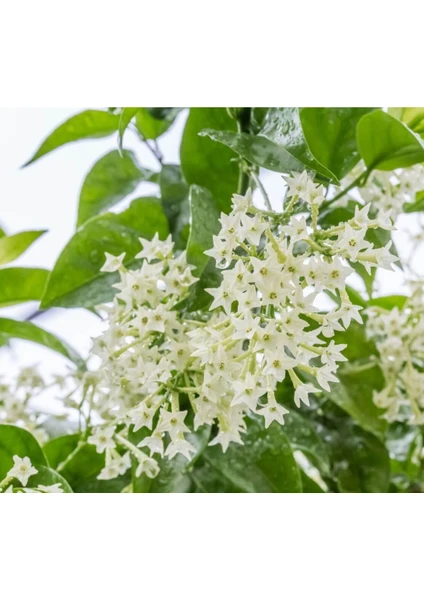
<point x="45" y="196"/>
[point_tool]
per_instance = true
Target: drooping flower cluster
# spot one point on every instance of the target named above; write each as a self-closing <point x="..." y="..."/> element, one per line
<point x="399" y="337"/>
<point x="165" y="374"/>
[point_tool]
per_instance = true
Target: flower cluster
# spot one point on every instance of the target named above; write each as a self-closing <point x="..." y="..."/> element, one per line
<point x="165" y="374"/>
<point x="399" y="337"/>
<point x="390" y="190"/>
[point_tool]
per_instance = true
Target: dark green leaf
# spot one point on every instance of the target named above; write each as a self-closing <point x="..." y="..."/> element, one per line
<point x="360" y="461"/>
<point x="331" y="136"/>
<point x="76" y="279"/>
<point x="109" y="181"/>
<point x="283" y="126"/>
<point x="265" y="462"/>
<point x="258" y="150"/>
<point x="309" y="486"/>
<point x="25" y="330"/>
<point x="19" y="442"/>
<point x="387" y="144"/>
<point x="174" y="198"/>
<point x="302" y="436"/>
<point x="205" y="163"/>
<point x="82" y="465"/>
<point x="21" y="284"/>
<point x="12" y="246"/>
<point x="204" y="215"/>
<point x="85" y="125"/>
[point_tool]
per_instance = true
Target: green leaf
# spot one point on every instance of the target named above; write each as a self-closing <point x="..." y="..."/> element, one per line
<point x="413" y="117"/>
<point x="174" y="199"/>
<point x="205" y="163"/>
<point x="387" y="144"/>
<point x="109" y="181"/>
<point x="331" y="136"/>
<point x="204" y="215"/>
<point x="124" y="120"/>
<point x="360" y="460"/>
<point x="417" y="206"/>
<point x="76" y="279"/>
<point x="150" y="127"/>
<point x="389" y="302"/>
<point x="25" y="330"/>
<point x="21" y="284"/>
<point x="258" y="150"/>
<point x="89" y="124"/>
<point x="47" y="476"/>
<point x="60" y="448"/>
<point x="167" y="114"/>
<point x="283" y="126"/>
<point x="265" y="462"/>
<point x="12" y="246"/>
<point x="20" y="442"/>
<point x="309" y="486"/>
<point x="302" y="436"/>
<point x="82" y="465"/>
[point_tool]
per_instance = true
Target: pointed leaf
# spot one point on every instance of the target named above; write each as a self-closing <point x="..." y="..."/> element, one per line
<point x="21" y="284"/>
<point x="12" y="246"/>
<point x="89" y="124"/>
<point x="124" y="120"/>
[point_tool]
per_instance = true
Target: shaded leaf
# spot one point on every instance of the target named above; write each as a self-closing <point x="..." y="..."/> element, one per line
<point x="20" y="442"/>
<point x="150" y="127"/>
<point x="204" y="223"/>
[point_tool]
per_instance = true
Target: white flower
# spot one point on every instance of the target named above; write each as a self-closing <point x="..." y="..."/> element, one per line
<point x="22" y="469"/>
<point x="102" y="438"/>
<point x="273" y="412"/>
<point x="56" y="488"/>
<point x="113" y="263"/>
<point x="301" y="393"/>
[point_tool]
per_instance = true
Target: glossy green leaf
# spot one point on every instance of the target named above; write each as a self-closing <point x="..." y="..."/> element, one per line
<point x="125" y="118"/>
<point x="76" y="279"/>
<point x="21" y="284"/>
<point x="283" y="126"/>
<point x="206" y="163"/>
<point x="109" y="181"/>
<point x="265" y="462"/>
<point x="12" y="246"/>
<point x="60" y="448"/>
<point x="20" y="442"/>
<point x="47" y="476"/>
<point x="89" y="124"/>
<point x="387" y="144"/>
<point x="25" y="330"/>
<point x="149" y="127"/>
<point x="82" y="465"/>
<point x="258" y="150"/>
<point x="204" y="215"/>
<point x="331" y="136"/>
<point x="413" y="117"/>
<point x="302" y="436"/>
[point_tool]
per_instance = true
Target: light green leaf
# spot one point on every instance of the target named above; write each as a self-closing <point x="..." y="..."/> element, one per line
<point x="25" y="330"/>
<point x="12" y="246"/>
<point x="205" y="163"/>
<point x="150" y="127"/>
<point x="389" y="302"/>
<point x="331" y="136"/>
<point x="204" y="223"/>
<point x="21" y="284"/>
<point x="283" y="127"/>
<point x="47" y="476"/>
<point x="89" y="124"/>
<point x="412" y="117"/>
<point x="265" y="462"/>
<point x="387" y="144"/>
<point x="109" y="181"/>
<point x="417" y="206"/>
<point x="124" y="120"/>
<point x="76" y="279"/>
<point x="20" y="442"/>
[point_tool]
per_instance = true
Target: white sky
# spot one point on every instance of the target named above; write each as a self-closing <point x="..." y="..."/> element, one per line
<point x="45" y="196"/>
